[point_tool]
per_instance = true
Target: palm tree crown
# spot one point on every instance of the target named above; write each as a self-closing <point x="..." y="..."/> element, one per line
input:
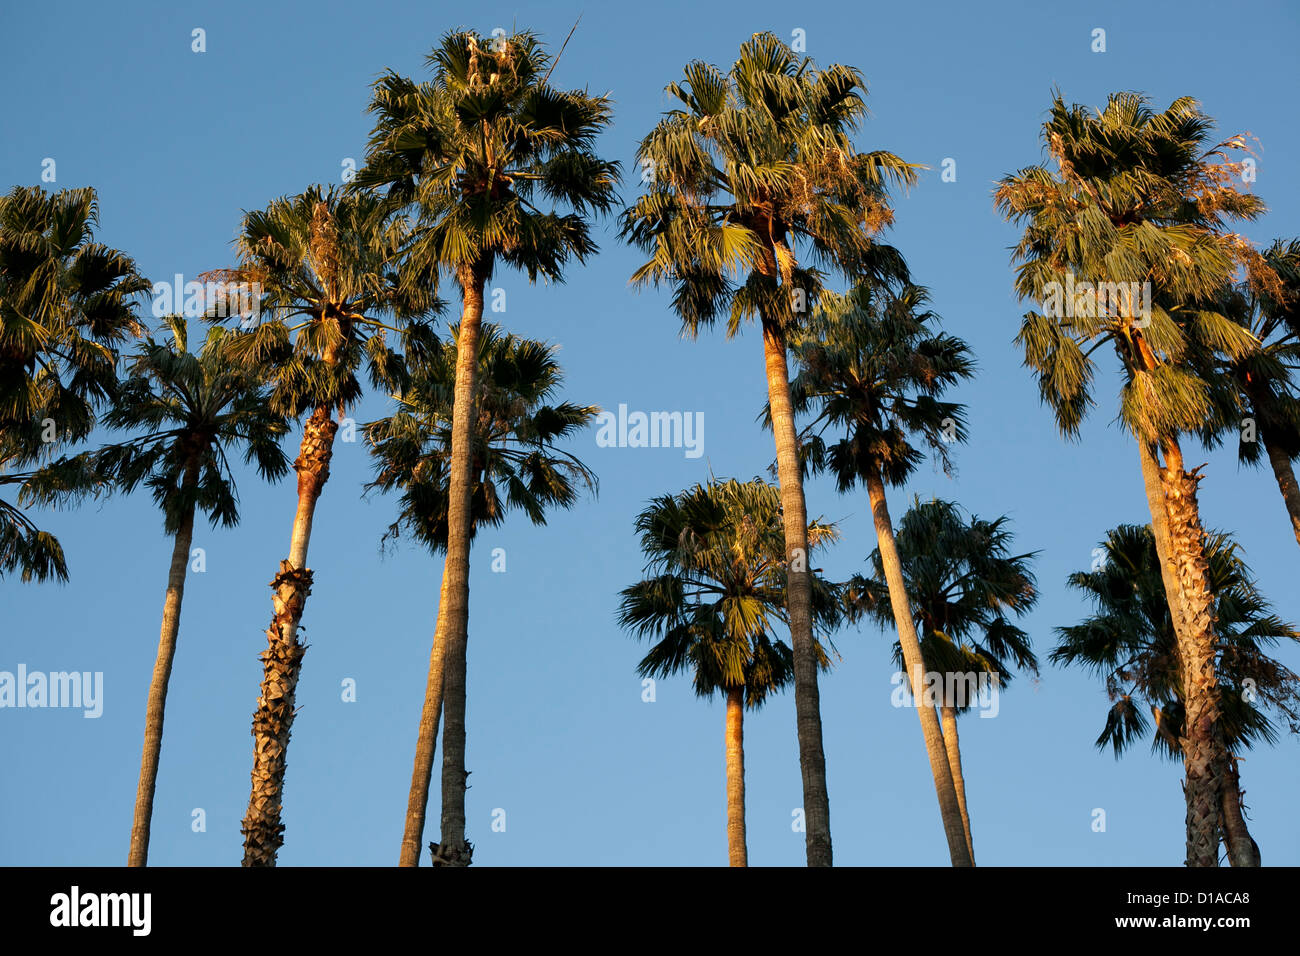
<point x="192" y="410"/>
<point x="718" y="588"/>
<point x="756" y="169"/>
<point x="516" y="462"/>
<point x="1129" y="642"/>
<point x="873" y="368"/>
<point x="1138" y="197"/>
<point x="476" y="149"/>
<point x="966" y="587"/>
<point x="66" y="304"/>
<point x="325" y="264"/>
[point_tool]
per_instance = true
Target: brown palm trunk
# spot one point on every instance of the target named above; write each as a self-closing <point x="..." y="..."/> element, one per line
<point x="1242" y="848"/>
<point x="807" y="699"/>
<point x="455" y="778"/>
<point x="1180" y="544"/>
<point x="282" y="659"/>
<point x="953" y="745"/>
<point x="1286" y="483"/>
<point x="949" y="809"/>
<point x="162" y="672"/>
<point x="737" y="855"/>
<point x="453" y="609"/>
<point x="417" y="800"/>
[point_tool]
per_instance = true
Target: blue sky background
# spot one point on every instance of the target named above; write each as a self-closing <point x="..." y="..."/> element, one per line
<point x="177" y="143"/>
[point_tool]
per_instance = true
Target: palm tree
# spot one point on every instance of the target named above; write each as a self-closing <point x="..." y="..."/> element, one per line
<point x="716" y="556"/>
<point x="1129" y="641"/>
<point x="1258" y="402"/>
<point x="516" y="466"/>
<point x="755" y="173"/>
<point x="469" y="156"/>
<point x="1142" y="201"/>
<point x="66" y="304"/>
<point x="872" y="370"/>
<point x="192" y="410"/>
<point x="320" y="267"/>
<point x="965" y="585"/>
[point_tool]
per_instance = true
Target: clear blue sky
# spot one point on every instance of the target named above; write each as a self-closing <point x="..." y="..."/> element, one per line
<point x="177" y="143"/>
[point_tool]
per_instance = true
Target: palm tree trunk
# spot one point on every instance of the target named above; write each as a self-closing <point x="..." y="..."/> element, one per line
<point x="455" y="777"/>
<point x="949" y="809"/>
<point x="162" y="672"/>
<point x="282" y="659"/>
<point x="807" y="699"/>
<point x="1180" y="543"/>
<point x="953" y="745"/>
<point x="737" y="855"/>
<point x="1160" y="531"/>
<point x="454" y="606"/>
<point x="1286" y="482"/>
<point x="1242" y="848"/>
<point x="417" y="800"/>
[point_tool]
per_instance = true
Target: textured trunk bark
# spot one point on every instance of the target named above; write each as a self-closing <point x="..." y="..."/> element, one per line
<point x="455" y="850"/>
<point x="952" y="742"/>
<point x="1152" y="477"/>
<point x="162" y="672"/>
<point x="282" y="659"/>
<point x="949" y="810"/>
<point x="1242" y="848"/>
<point x="807" y="701"/>
<point x="1286" y="483"/>
<point x="1180" y="542"/>
<point x="737" y="854"/>
<point x="1160" y="531"/>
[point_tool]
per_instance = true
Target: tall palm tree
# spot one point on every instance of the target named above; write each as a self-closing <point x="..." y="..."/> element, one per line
<point x="516" y="465"/>
<point x="1259" y="397"/>
<point x="716" y="556"/>
<point x="66" y="304"/>
<point x="872" y="370"/>
<point x="322" y="269"/>
<point x="752" y="176"/>
<point x="1129" y="641"/>
<point x="965" y="587"/>
<point x="191" y="410"/>
<point x="470" y="156"/>
<point x="1147" y="200"/>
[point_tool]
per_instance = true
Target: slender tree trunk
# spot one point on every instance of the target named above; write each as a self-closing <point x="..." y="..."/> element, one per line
<point x="1180" y="544"/>
<point x="417" y="801"/>
<point x="737" y="854"/>
<point x="1286" y="482"/>
<point x="807" y="699"/>
<point x="162" y="672"/>
<point x="282" y="659"/>
<point x="455" y="778"/>
<point x="949" y="809"/>
<point x="1242" y="848"/>
<point x="454" y="850"/>
<point x="953" y="744"/>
